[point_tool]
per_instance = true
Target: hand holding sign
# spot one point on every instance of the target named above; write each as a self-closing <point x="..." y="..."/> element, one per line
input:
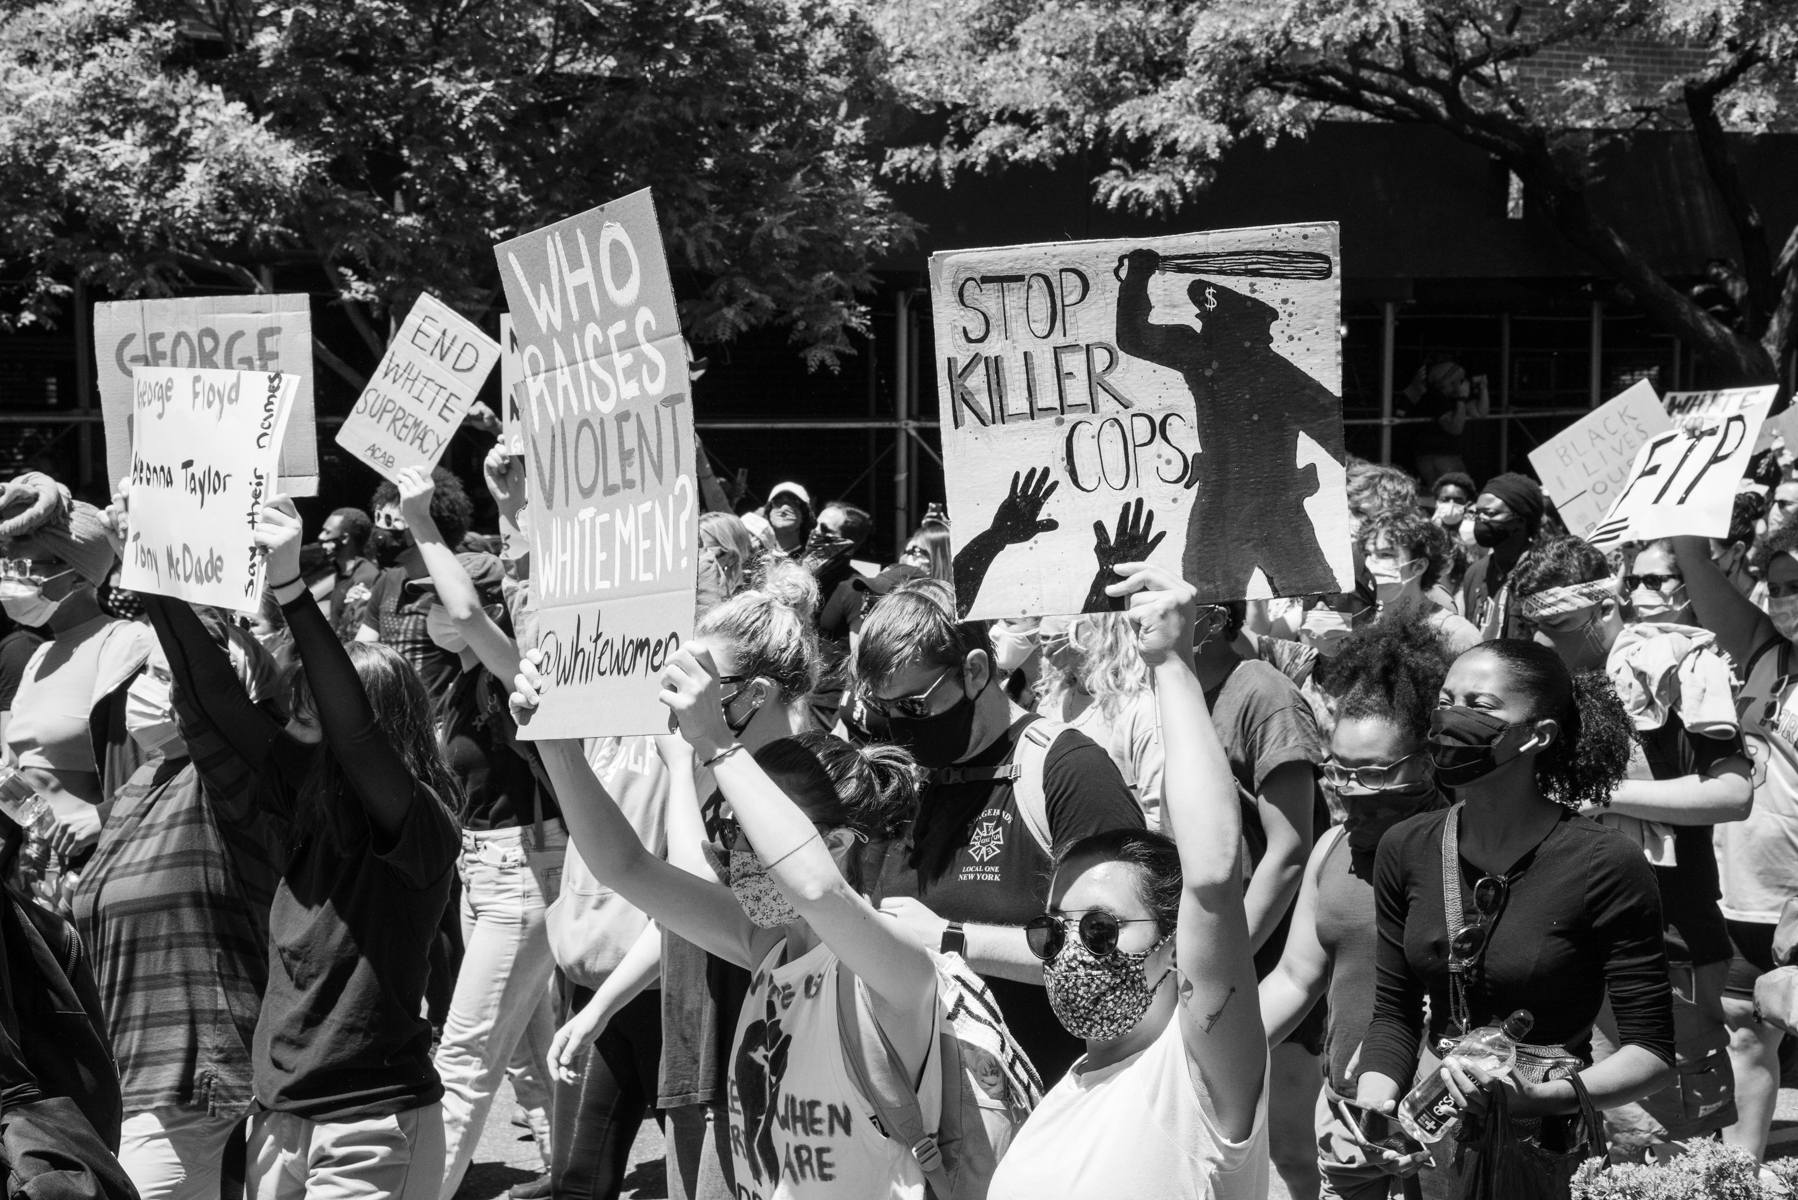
<point x="278" y="532"/>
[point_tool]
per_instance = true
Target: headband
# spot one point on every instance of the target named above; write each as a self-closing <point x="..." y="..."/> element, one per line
<point x="1558" y="601"/>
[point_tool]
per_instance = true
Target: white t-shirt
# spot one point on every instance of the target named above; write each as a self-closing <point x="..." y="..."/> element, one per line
<point x="1757" y="858"/>
<point x="1139" y="1128"/>
<point x="799" y="1127"/>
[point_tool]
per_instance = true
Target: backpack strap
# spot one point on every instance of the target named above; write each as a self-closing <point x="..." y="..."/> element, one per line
<point x="1027" y="787"/>
<point x="879" y="1075"/>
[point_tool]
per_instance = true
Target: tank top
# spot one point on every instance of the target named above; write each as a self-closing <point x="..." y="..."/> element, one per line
<point x="1345" y="930"/>
<point x="799" y="1128"/>
<point x="1757" y="858"/>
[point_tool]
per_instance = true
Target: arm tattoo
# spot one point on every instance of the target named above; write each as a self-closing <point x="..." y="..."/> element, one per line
<point x="1211" y="1021"/>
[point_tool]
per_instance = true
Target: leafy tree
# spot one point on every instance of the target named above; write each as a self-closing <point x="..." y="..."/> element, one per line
<point x="417" y="133"/>
<point x="1158" y="89"/>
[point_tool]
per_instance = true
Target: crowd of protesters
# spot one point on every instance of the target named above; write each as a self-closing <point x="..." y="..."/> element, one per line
<point x="903" y="904"/>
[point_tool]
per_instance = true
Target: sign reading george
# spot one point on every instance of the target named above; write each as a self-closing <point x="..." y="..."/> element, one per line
<point x="1175" y="399"/>
<point x="421" y="390"/>
<point x="1583" y="467"/>
<point x="226" y="333"/>
<point x="203" y="462"/>
<point x="1684" y="480"/>
<point x="608" y="452"/>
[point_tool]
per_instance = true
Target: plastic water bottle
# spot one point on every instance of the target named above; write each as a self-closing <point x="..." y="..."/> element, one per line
<point x="1429" y="1112"/>
<point x="23" y="803"/>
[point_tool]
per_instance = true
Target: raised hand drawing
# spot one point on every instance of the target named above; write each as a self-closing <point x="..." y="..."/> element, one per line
<point x="1131" y="543"/>
<point x="1018" y="519"/>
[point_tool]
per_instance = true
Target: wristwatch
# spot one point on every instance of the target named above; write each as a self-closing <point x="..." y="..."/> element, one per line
<point x="955" y="940"/>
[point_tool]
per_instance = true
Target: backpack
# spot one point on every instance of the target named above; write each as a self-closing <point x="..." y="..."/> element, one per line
<point x="989" y="1085"/>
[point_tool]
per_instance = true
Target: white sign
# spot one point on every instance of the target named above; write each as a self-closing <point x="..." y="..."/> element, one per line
<point x="204" y="454"/>
<point x="421" y="390"/>
<point x="1684" y="480"/>
<point x="1174" y="399"/>
<point x="1583" y="467"/>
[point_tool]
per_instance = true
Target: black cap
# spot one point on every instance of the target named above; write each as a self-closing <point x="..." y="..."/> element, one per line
<point x="888" y="579"/>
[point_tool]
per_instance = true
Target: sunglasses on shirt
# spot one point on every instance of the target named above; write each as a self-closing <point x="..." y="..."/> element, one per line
<point x="1098" y="931"/>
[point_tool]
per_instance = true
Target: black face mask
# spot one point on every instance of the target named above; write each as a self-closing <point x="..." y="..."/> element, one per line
<point x="1464" y="745"/>
<point x="1490" y="533"/>
<point x="1371" y="813"/>
<point x="389" y="544"/>
<point x="936" y="741"/>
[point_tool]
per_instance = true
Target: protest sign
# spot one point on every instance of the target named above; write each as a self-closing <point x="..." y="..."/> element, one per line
<point x="204" y="454"/>
<point x="227" y="333"/>
<point x="420" y="391"/>
<point x="1684" y="480"/>
<point x="1176" y="399"/>
<point x="514" y="537"/>
<point x="1583" y="466"/>
<point x="608" y="452"/>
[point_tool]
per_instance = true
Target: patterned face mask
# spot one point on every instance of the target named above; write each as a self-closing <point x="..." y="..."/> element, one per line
<point x="1099" y="999"/>
<point x="761" y="898"/>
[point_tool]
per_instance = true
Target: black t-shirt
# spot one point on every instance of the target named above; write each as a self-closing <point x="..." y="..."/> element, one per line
<point x="481" y="743"/>
<point x="400" y="620"/>
<point x="345" y="615"/>
<point x="971" y="859"/>
<point x="16" y="649"/>
<point x="1690" y="890"/>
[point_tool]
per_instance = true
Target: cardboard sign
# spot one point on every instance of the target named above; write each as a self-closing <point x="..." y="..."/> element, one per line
<point x="1176" y="399"/>
<point x="514" y="537"/>
<point x="1684" y="480"/>
<point x="203" y="462"/>
<point x="608" y="451"/>
<point x="227" y="333"/>
<point x="421" y="390"/>
<point x="1583" y="467"/>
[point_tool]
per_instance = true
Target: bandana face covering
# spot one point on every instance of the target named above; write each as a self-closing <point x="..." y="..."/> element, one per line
<point x="1099" y="999"/>
<point x="762" y="900"/>
<point x="1783" y="610"/>
<point x="1651" y="605"/>
<point x="1464" y="745"/>
<point x="389" y="544"/>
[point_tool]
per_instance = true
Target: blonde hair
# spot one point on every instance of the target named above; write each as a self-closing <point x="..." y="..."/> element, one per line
<point x="770" y="628"/>
<point x="1108" y="668"/>
<point x="731" y="543"/>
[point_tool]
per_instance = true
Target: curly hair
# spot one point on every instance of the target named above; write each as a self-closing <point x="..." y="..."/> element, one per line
<point x="1783" y="540"/>
<point x="1559" y="562"/>
<point x="1110" y="667"/>
<point x="1391" y="671"/>
<point x="1413" y="535"/>
<point x="1376" y="489"/>
<point x="451" y="508"/>
<point x="1590" y="757"/>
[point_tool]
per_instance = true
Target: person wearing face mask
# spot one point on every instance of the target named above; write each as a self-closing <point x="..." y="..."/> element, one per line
<point x="1404" y="554"/>
<point x="173" y="909"/>
<point x="1379" y="773"/>
<point x="1094" y="681"/>
<point x="64" y="729"/>
<point x="794" y="914"/>
<point x="392" y="616"/>
<point x="1507" y="521"/>
<point x="1453" y="493"/>
<point x="1147" y="956"/>
<point x="786" y="521"/>
<point x="1510" y="899"/>
<point x="975" y="864"/>
<point x="1757" y="858"/>
<point x="513" y="844"/>
<point x="344" y="540"/>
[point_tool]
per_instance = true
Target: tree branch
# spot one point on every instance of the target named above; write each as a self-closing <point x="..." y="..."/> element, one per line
<point x="1713" y="145"/>
<point x="327" y="356"/>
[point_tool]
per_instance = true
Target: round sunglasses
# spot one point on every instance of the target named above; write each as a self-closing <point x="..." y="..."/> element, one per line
<point x="1098" y="930"/>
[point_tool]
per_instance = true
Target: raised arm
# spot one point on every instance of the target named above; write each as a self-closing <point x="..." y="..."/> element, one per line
<point x="1741" y="627"/>
<point x="1219" y="1016"/>
<point x="497" y="652"/>
<point x="1295" y="985"/>
<point x="881" y="950"/>
<point x="1176" y="346"/>
<point x="382" y="780"/>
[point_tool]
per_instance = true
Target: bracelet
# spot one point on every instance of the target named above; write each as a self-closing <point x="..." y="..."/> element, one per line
<point x="275" y="587"/>
<point x="723" y="754"/>
<point x="816" y="836"/>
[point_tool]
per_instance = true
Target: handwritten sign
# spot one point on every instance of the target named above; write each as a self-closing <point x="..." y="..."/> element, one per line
<point x="1583" y="467"/>
<point x="1175" y="399"/>
<point x="514" y="538"/>
<point x="1684" y="480"/>
<point x="421" y="390"/>
<point x="226" y="333"/>
<point x="609" y="455"/>
<point x="204" y="457"/>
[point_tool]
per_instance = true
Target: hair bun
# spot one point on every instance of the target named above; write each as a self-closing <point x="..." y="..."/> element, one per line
<point x="788" y="583"/>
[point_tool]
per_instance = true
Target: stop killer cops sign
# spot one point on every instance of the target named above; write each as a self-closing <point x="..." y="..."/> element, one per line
<point x="608" y="448"/>
<point x="1176" y="399"/>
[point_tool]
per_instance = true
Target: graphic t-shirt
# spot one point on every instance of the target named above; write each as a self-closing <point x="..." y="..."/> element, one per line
<point x="799" y="1127"/>
<point x="400" y="620"/>
<point x="1758" y="858"/>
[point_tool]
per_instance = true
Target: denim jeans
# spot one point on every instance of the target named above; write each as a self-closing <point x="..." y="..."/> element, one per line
<point x="502" y="1003"/>
<point x="597" y="1118"/>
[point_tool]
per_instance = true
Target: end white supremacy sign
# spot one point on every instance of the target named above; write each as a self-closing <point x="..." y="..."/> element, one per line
<point x="205" y="449"/>
<point x="609" y="454"/>
<point x="421" y="390"/>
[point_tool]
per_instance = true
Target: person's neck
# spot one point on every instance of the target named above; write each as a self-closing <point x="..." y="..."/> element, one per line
<point x="994" y="713"/>
<point x="80" y="608"/>
<point x="1213" y="661"/>
<point x="413" y="563"/>
<point x="346" y="561"/>
<point x="801" y="941"/>
<point x="788" y="539"/>
<point x="1410" y="600"/>
<point x="1073" y="700"/>
<point x="1505" y="817"/>
<point x="1142" y="1035"/>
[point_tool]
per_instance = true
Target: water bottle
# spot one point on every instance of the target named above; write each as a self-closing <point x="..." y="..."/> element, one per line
<point x="1429" y="1112"/>
<point x="22" y="802"/>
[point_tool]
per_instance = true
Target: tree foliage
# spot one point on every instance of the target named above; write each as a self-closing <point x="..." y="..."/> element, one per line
<point x="1157" y="90"/>
<point x="391" y="143"/>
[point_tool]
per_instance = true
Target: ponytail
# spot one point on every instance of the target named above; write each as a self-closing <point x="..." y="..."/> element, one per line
<point x="872" y="790"/>
<point x="1591" y="757"/>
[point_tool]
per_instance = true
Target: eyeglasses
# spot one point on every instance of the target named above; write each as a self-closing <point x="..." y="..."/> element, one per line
<point x="19" y="577"/>
<point x="1372" y="777"/>
<point x="1098" y="929"/>
<point x="916" y="706"/>
<point x="1653" y="582"/>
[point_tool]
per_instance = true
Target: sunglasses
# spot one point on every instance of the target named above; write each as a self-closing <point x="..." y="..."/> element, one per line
<point x="916" y="706"/>
<point x="1098" y="929"/>
<point x="1373" y="778"/>
<point x="1469" y="942"/>
<point x="21" y="577"/>
<point x="1655" y="583"/>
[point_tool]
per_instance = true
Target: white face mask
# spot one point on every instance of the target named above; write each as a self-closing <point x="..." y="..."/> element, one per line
<point x="443" y="631"/>
<point x="1466" y="533"/>
<point x="1651" y="605"/>
<point x="150" y="716"/>
<point x="1324" y="630"/>
<point x="1784" y="612"/>
<point x="30" y="609"/>
<point x="1391" y="576"/>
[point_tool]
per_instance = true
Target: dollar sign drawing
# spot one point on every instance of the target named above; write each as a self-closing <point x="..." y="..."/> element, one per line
<point x="1210" y="298"/>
